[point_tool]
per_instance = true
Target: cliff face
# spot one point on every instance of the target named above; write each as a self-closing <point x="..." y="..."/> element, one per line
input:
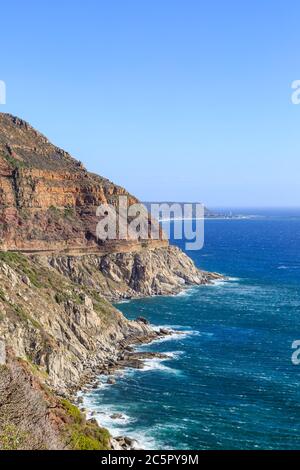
<point x="65" y="330"/>
<point x="115" y="276"/>
<point x="48" y="200"/>
<point x="57" y="327"/>
<point x="55" y="336"/>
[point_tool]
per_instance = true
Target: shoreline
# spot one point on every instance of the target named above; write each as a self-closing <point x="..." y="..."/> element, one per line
<point x="128" y="357"/>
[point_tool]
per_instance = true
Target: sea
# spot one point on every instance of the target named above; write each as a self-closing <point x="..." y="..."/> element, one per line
<point x="229" y="381"/>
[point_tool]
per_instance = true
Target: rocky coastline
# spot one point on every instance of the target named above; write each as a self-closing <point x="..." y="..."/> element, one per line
<point x="58" y="328"/>
<point x="127" y="358"/>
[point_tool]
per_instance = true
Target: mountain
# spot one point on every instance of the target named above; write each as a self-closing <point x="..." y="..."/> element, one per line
<point x="58" y="329"/>
<point x="48" y="200"/>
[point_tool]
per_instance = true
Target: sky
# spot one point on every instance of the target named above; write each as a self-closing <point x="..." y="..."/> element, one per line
<point x="176" y="100"/>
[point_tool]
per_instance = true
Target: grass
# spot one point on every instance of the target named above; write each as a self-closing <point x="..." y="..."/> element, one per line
<point x="23" y="316"/>
<point x="11" y="438"/>
<point x="90" y="438"/>
<point x="72" y="411"/>
<point x="18" y="310"/>
<point x="21" y="264"/>
<point x="16" y="164"/>
<point x="84" y="435"/>
<point x="69" y="212"/>
<point x="35" y="369"/>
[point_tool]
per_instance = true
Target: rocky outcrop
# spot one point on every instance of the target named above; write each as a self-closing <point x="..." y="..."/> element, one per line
<point x="48" y="200"/>
<point x="115" y="276"/>
<point x="56" y="336"/>
<point x="67" y="331"/>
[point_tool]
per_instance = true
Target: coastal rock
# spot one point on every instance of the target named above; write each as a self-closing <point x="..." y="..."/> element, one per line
<point x="150" y="272"/>
<point x="124" y="443"/>
<point x="111" y="381"/>
<point x="52" y="325"/>
<point x="142" y="320"/>
<point x="117" y="416"/>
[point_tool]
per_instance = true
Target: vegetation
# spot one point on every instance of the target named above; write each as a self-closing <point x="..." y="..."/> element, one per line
<point x="12" y="438"/>
<point x="21" y="264"/>
<point x="72" y="411"/>
<point x="89" y="437"/>
<point x="84" y="435"/>
<point x="14" y="162"/>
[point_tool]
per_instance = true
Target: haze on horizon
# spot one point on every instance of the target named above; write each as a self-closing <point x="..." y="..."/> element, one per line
<point x="176" y="101"/>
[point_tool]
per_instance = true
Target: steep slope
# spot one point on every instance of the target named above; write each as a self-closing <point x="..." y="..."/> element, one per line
<point x="67" y="331"/>
<point x="115" y="276"/>
<point x="32" y="417"/>
<point x="48" y="200"/>
<point x="57" y="327"/>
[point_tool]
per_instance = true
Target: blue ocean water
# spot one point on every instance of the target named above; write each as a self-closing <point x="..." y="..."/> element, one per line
<point x="229" y="382"/>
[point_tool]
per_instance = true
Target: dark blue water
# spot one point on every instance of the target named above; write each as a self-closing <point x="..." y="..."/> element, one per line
<point x="229" y="382"/>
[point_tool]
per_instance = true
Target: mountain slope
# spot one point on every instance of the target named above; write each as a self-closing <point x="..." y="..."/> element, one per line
<point x="48" y="200"/>
<point x="58" y="330"/>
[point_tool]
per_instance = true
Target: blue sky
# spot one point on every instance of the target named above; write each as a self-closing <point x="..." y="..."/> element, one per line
<point x="175" y="100"/>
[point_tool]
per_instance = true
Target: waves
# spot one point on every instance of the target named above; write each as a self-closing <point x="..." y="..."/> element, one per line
<point x="227" y="381"/>
<point x="117" y="418"/>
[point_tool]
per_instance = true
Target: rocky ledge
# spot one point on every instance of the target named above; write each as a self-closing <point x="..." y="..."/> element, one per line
<point x="149" y="272"/>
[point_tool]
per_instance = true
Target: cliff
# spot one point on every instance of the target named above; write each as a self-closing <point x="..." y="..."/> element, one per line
<point x="58" y="330"/>
<point x="67" y="331"/>
<point x="55" y="337"/>
<point x="48" y="200"/>
<point x="115" y="276"/>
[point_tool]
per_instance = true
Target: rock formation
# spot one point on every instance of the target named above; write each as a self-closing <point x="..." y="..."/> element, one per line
<point x="48" y="200"/>
<point x="57" y="327"/>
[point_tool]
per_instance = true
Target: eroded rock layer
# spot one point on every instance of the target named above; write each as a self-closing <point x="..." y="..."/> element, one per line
<point x="48" y="200"/>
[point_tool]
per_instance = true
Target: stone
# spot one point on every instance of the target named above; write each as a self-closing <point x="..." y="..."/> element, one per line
<point x="26" y="281"/>
<point x="164" y="331"/>
<point x="111" y="381"/>
<point x="117" y="416"/>
<point x="142" y="320"/>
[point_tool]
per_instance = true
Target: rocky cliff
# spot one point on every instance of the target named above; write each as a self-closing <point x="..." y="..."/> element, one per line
<point x="57" y="327"/>
<point x="143" y="273"/>
<point x="48" y="200"/>
<point x="55" y="336"/>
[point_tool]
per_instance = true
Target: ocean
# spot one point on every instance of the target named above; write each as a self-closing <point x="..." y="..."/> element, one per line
<point x="229" y="381"/>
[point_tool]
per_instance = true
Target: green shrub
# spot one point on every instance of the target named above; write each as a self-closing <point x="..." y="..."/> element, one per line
<point x="73" y="411"/>
<point x="91" y="437"/>
<point x="11" y="438"/>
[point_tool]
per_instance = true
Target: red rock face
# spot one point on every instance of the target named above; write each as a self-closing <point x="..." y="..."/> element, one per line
<point x="48" y="200"/>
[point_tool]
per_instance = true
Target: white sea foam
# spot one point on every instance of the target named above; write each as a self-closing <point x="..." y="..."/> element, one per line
<point x="180" y="334"/>
<point x="218" y="282"/>
<point x="156" y="364"/>
<point x="187" y="292"/>
<point x="282" y="266"/>
<point x="120" y="426"/>
<point x="224" y="282"/>
<point x="174" y="354"/>
<point x="124" y="425"/>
